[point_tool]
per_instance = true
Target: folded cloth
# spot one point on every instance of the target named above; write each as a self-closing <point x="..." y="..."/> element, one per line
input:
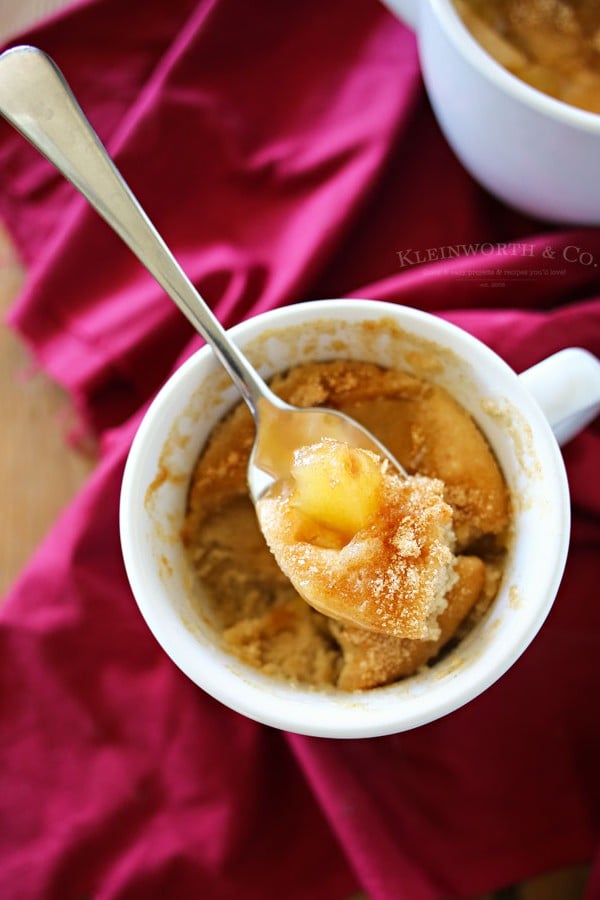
<point x="286" y="152"/>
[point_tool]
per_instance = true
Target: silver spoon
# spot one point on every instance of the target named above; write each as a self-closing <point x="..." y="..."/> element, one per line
<point x="37" y="101"/>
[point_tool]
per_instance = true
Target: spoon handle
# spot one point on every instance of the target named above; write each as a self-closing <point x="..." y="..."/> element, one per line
<point x="37" y="101"/>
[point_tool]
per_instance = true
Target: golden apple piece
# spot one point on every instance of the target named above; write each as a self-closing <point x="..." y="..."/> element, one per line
<point x="337" y="485"/>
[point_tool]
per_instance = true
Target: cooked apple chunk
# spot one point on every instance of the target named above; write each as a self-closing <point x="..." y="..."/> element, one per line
<point x="337" y="485"/>
<point x="360" y="542"/>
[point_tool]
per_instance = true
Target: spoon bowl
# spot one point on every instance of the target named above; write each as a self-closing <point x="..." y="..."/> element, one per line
<point x="36" y="100"/>
<point x="285" y="428"/>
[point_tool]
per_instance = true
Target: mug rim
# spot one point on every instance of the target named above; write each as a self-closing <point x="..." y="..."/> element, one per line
<point x="544" y="104"/>
<point x="276" y="707"/>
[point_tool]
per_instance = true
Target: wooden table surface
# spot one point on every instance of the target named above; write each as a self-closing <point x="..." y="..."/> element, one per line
<point x="40" y="472"/>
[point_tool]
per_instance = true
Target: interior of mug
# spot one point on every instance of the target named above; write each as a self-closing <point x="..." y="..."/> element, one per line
<point x="494" y="71"/>
<point x="177" y="425"/>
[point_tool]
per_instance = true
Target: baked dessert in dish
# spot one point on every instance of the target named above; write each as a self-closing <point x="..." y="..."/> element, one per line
<point x="457" y="503"/>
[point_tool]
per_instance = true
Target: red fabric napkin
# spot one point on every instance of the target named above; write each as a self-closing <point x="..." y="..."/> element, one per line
<point x="286" y="152"/>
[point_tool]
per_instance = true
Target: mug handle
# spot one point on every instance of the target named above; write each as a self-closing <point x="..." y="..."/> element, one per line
<point x="567" y="387"/>
<point x="406" y="10"/>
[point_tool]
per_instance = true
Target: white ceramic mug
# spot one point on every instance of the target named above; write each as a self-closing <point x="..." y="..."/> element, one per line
<point x="534" y="152"/>
<point x="507" y="409"/>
